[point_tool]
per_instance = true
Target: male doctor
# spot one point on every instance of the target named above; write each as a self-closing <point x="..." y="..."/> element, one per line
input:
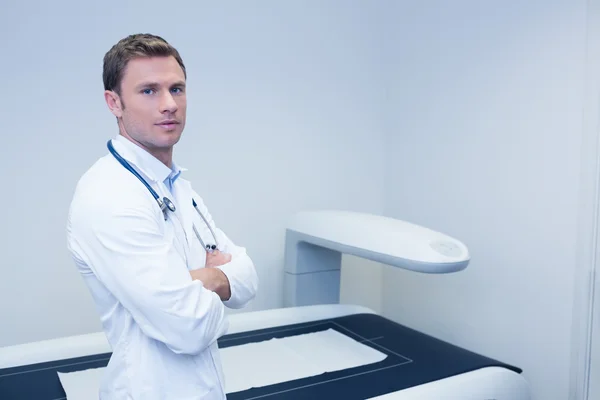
<point x="160" y="294"/>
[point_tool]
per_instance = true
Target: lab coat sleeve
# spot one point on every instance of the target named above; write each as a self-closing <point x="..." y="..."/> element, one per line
<point x="128" y="251"/>
<point x="240" y="271"/>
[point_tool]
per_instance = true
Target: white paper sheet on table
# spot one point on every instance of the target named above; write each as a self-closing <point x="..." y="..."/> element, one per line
<point x="81" y="384"/>
<point x="262" y="363"/>
<point x="293" y="357"/>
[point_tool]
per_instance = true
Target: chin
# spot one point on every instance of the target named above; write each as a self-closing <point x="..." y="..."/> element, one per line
<point x="169" y="138"/>
<point x="170" y="142"/>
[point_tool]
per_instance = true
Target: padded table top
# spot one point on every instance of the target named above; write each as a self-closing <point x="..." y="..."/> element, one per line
<point x="413" y="358"/>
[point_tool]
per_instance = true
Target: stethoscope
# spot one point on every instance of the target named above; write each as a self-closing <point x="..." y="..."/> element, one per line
<point x="165" y="203"/>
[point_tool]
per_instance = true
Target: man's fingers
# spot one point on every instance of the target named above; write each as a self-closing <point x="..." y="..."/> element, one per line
<point x="217" y="258"/>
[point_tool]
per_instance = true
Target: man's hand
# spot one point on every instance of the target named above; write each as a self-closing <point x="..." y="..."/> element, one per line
<point x="214" y="280"/>
<point x="216" y="258"/>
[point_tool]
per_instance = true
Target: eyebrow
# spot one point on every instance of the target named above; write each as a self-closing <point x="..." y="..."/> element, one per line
<point x="156" y="84"/>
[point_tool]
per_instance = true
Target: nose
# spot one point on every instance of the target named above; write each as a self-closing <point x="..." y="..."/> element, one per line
<point x="168" y="103"/>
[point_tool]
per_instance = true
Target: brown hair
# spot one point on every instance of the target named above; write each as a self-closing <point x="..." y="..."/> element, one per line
<point x="133" y="46"/>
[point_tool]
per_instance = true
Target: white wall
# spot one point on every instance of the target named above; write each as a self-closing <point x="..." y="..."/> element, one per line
<point x="484" y="133"/>
<point x="272" y="85"/>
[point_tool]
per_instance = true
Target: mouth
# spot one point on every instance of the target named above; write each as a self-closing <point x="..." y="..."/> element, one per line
<point x="168" y="124"/>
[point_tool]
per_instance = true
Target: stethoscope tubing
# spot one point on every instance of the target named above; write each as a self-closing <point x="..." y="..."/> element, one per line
<point x="165" y="203"/>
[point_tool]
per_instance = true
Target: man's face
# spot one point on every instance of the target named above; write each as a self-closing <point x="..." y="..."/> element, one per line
<point x="152" y="105"/>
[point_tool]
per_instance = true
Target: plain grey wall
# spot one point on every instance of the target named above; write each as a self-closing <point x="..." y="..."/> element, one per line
<point x="284" y="114"/>
<point x="484" y="142"/>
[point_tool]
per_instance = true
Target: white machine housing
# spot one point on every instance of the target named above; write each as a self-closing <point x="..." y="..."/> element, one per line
<point x="316" y="240"/>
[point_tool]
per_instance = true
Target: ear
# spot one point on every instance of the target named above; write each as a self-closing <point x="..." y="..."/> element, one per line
<point x="114" y="103"/>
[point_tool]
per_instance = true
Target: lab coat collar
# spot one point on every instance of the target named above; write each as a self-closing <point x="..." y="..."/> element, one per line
<point x="146" y="163"/>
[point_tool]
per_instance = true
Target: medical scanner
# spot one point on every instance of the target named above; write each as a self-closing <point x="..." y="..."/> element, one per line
<point x="326" y="349"/>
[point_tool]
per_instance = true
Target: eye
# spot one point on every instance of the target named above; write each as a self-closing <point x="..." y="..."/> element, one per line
<point x="177" y="90"/>
<point x="147" y="91"/>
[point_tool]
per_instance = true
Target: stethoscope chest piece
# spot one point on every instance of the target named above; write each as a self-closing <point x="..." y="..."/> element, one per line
<point x="169" y="204"/>
<point x="165" y="204"/>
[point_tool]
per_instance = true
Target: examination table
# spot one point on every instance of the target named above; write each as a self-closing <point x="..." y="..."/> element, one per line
<point x="413" y="365"/>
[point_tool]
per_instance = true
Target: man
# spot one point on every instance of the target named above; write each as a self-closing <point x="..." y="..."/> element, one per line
<point x="159" y="292"/>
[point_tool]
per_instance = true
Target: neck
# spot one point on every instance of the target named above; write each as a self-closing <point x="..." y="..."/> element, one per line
<point x="164" y="155"/>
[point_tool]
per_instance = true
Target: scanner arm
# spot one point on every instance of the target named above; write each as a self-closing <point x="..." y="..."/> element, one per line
<point x="316" y="240"/>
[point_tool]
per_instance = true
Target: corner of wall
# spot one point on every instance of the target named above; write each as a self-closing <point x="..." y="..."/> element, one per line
<point x="583" y="349"/>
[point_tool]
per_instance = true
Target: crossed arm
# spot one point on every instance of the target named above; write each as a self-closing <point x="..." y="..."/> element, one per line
<point x="214" y="279"/>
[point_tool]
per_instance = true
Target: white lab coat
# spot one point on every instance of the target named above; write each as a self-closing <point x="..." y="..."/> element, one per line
<point x="161" y="325"/>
